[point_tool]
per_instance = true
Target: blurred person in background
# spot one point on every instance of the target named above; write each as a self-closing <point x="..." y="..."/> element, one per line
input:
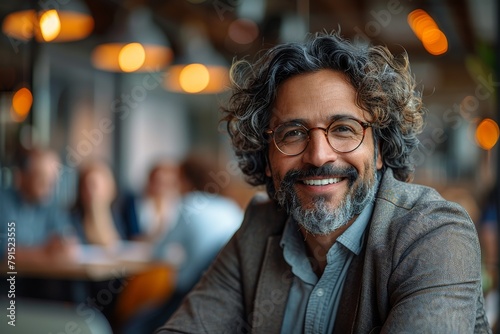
<point x="95" y="214"/>
<point x="43" y="232"/>
<point x="98" y="223"/>
<point x="205" y="223"/>
<point x="488" y="237"/>
<point x="33" y="226"/>
<point x="153" y="213"/>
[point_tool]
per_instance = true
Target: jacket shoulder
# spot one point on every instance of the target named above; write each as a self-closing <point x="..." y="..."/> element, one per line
<point x="405" y="212"/>
<point x="405" y="195"/>
<point x="263" y="216"/>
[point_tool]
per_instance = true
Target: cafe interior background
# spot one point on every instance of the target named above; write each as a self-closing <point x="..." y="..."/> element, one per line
<point x="133" y="81"/>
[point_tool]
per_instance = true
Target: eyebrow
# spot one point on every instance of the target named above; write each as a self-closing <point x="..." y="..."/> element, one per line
<point x="304" y="121"/>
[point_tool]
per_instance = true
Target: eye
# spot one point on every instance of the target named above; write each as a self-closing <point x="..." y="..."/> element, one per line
<point x="290" y="134"/>
<point x="295" y="133"/>
<point x="342" y="128"/>
<point x="345" y="128"/>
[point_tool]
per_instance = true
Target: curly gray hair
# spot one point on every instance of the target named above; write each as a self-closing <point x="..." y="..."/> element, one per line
<point x="384" y="86"/>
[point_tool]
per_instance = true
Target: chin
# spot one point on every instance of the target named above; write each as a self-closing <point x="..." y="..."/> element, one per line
<point x="308" y="202"/>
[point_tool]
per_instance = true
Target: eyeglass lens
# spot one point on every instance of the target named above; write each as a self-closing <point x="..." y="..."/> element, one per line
<point x="344" y="135"/>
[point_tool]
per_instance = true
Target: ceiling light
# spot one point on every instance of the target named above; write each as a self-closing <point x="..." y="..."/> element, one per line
<point x="134" y="44"/>
<point x="201" y="69"/>
<point x="61" y="23"/>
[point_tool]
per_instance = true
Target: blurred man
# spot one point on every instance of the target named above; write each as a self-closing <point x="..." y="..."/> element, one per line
<point x="42" y="230"/>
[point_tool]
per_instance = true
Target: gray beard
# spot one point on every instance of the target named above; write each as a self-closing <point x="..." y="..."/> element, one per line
<point x="322" y="219"/>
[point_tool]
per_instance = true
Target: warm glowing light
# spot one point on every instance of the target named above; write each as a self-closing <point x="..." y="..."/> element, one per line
<point x="24" y="25"/>
<point x="131" y="57"/>
<point x="487" y="133"/>
<point x="106" y="57"/>
<point x="194" y="78"/>
<point x="50" y="25"/>
<point x="21" y="104"/>
<point x="426" y="29"/>
<point x="218" y="75"/>
<point x="74" y="26"/>
<point x="435" y="42"/>
<point x="420" y="21"/>
<point x="20" y="25"/>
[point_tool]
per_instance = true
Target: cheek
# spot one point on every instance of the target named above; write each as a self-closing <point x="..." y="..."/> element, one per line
<point x="277" y="164"/>
<point x="365" y="164"/>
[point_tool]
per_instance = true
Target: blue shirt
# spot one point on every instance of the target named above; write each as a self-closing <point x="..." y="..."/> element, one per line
<point x="34" y="223"/>
<point x="205" y="223"/>
<point x="313" y="302"/>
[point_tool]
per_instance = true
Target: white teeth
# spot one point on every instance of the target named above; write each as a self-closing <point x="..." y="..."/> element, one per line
<point x="322" y="182"/>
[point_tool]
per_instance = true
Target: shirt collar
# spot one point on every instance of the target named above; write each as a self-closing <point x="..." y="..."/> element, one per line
<point x="294" y="252"/>
<point x="352" y="238"/>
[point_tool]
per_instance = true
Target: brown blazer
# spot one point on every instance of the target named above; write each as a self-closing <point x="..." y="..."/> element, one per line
<point x="419" y="272"/>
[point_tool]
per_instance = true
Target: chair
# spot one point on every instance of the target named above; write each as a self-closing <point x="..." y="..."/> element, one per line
<point x="146" y="290"/>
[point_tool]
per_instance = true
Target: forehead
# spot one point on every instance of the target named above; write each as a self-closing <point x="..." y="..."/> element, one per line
<point x="316" y="97"/>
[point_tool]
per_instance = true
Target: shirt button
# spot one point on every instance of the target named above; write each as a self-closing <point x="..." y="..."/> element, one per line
<point x="320" y="292"/>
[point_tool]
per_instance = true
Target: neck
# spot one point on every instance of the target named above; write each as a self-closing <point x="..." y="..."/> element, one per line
<point x="317" y="246"/>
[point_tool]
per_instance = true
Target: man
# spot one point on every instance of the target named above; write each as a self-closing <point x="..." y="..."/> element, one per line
<point x="345" y="244"/>
<point x="42" y="231"/>
<point x="206" y="221"/>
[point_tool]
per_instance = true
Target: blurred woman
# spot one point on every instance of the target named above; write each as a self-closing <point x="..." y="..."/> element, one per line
<point x="153" y="213"/>
<point x="95" y="217"/>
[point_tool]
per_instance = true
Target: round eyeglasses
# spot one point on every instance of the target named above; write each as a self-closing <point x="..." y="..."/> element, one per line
<point x="344" y="135"/>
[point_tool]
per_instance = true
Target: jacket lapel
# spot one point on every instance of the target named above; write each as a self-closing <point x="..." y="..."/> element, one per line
<point x="272" y="289"/>
<point x="349" y="301"/>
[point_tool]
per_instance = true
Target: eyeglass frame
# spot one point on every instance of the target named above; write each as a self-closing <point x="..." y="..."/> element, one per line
<point x="364" y="125"/>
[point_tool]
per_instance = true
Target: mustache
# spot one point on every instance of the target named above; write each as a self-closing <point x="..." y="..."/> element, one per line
<point x="349" y="172"/>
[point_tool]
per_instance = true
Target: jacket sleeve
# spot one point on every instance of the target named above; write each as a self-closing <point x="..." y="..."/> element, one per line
<point x="435" y="283"/>
<point x="216" y="304"/>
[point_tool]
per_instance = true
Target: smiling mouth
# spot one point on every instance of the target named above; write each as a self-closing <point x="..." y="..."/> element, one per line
<point x="322" y="182"/>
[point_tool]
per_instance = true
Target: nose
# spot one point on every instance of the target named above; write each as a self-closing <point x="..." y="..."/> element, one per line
<point x="318" y="151"/>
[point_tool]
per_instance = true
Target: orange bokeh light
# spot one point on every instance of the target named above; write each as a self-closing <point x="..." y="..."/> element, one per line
<point x="435" y="42"/>
<point x="107" y="57"/>
<point x="131" y="57"/>
<point x="487" y="133"/>
<point x="21" y="104"/>
<point x="178" y="79"/>
<point x="26" y="24"/>
<point x="50" y="25"/>
<point x="194" y="78"/>
<point x="427" y="31"/>
<point x="420" y="21"/>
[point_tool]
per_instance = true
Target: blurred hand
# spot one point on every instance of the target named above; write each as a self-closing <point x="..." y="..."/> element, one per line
<point x="62" y="249"/>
